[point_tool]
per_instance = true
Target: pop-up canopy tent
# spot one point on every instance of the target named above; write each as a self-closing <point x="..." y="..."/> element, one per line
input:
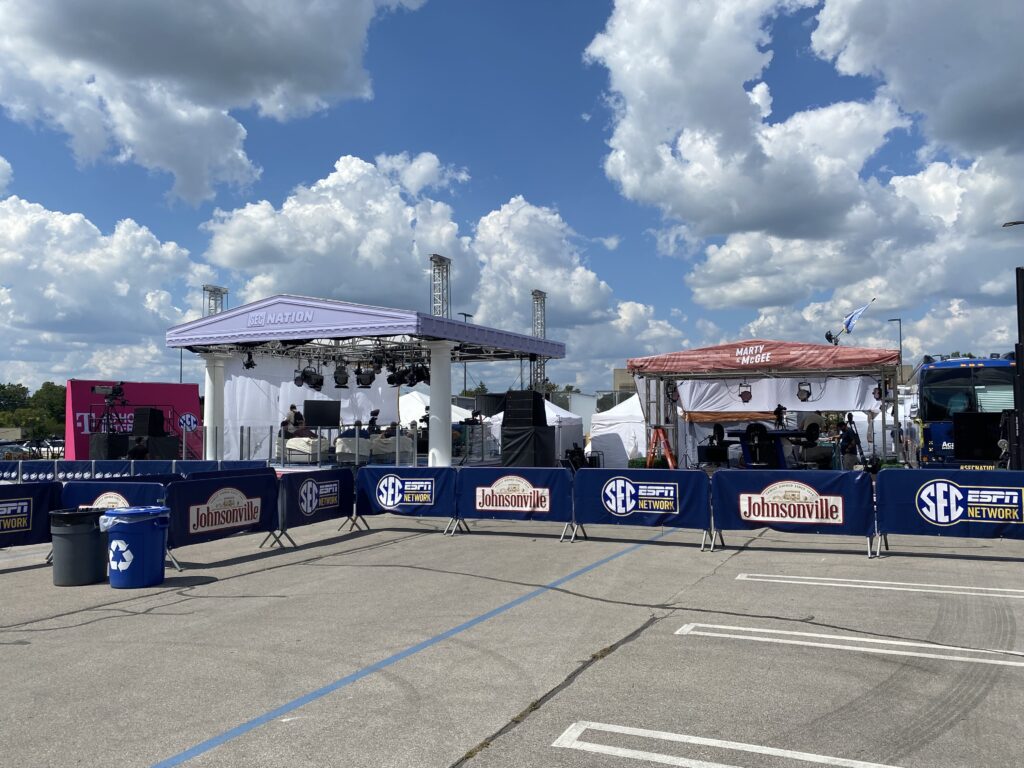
<point x="568" y="427"/>
<point x="759" y="375"/>
<point x="412" y="406"/>
<point x="295" y="341"/>
<point x="618" y="433"/>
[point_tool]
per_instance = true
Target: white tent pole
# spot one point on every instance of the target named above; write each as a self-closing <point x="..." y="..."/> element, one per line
<point x="440" y="437"/>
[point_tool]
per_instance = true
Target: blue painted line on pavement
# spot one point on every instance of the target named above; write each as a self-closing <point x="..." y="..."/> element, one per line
<point x="319" y="693"/>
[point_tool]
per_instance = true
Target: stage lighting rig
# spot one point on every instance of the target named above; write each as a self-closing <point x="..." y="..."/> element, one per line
<point x="803" y="391"/>
<point x="340" y="375"/>
<point x="249" y="363"/>
<point x="309" y="377"/>
<point x="745" y="393"/>
<point x="364" y="377"/>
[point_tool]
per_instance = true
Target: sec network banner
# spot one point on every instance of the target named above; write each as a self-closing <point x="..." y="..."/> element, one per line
<point x="416" y="491"/>
<point x="965" y="503"/>
<point x="679" y="498"/>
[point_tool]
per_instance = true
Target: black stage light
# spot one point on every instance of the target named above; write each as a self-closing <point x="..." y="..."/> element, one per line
<point x="803" y="391"/>
<point x="398" y="378"/>
<point x="364" y="377"/>
<point x="312" y="379"/>
<point x="298" y="380"/>
<point x="249" y="363"/>
<point x="340" y="377"/>
<point x="745" y="393"/>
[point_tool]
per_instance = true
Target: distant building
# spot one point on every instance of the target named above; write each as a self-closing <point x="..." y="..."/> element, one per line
<point x="622" y="380"/>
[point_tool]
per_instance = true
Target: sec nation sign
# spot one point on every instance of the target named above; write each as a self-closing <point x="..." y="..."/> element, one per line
<point x="945" y="503"/>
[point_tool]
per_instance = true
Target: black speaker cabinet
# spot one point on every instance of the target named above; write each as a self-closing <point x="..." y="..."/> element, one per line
<point x="525" y="408"/>
<point x="528" y="446"/>
<point x="165" y="448"/>
<point x="106" y="445"/>
<point x="149" y="422"/>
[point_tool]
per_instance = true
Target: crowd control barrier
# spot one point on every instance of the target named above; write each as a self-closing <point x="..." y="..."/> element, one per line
<point x="206" y="510"/>
<point x="187" y="467"/>
<point x="657" y="497"/>
<point x="25" y="513"/>
<point x="973" y="504"/>
<point x="74" y="470"/>
<point x="305" y="498"/>
<point x="38" y="471"/>
<point x="112" y="468"/>
<point x="415" y="491"/>
<point x="153" y="467"/>
<point x="111" y="495"/>
<point x="513" y="493"/>
<point x="231" y="472"/>
<point x="800" y="501"/>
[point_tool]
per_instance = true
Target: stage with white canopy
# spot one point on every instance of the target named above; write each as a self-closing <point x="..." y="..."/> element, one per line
<point x="266" y="354"/>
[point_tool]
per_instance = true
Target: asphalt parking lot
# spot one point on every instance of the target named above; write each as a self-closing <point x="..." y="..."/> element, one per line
<point x="403" y="647"/>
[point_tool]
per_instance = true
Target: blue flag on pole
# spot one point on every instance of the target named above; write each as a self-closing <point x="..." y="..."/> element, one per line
<point x="851" y="319"/>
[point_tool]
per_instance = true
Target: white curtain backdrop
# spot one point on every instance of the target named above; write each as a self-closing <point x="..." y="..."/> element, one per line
<point x="831" y="393"/>
<point x="259" y="398"/>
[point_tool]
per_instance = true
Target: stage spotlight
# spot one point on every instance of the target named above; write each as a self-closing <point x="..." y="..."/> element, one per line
<point x="398" y="378"/>
<point x="249" y="363"/>
<point x="745" y="393"/>
<point x="340" y="376"/>
<point x="298" y="379"/>
<point x="312" y="379"/>
<point x="877" y="393"/>
<point x="364" y="377"/>
<point x="803" y="391"/>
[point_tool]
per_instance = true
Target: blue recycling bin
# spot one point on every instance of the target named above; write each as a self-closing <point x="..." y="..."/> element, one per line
<point x="136" y="545"/>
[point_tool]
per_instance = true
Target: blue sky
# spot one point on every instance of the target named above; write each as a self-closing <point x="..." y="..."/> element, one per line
<point x="673" y="174"/>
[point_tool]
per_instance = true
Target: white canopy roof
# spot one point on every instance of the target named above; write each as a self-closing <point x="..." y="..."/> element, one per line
<point x="554" y="414"/>
<point x="413" y="405"/>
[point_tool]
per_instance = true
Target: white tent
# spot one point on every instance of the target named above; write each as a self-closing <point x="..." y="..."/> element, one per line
<point x="568" y="427"/>
<point x="413" y="405"/>
<point x="619" y="433"/>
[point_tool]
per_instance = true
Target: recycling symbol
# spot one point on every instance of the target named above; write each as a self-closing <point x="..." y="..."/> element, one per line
<point x="120" y="556"/>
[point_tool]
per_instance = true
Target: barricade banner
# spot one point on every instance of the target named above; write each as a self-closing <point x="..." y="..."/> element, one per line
<point x="158" y="479"/>
<point x="153" y="467"/>
<point x="974" y="504"/>
<point x="112" y="468"/>
<point x="38" y="471"/>
<point x="416" y="491"/>
<point x="680" y="498"/>
<point x="799" y="501"/>
<point x="74" y="470"/>
<point x="25" y="513"/>
<point x="10" y="471"/>
<point x="187" y="466"/>
<point x="112" y="495"/>
<point x="244" y="464"/>
<point x="309" y="497"/>
<point x="205" y="510"/>
<point x="514" y="493"/>
<point x="214" y="473"/>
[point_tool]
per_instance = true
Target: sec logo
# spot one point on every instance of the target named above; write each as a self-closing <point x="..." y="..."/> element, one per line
<point x="389" y="491"/>
<point x="619" y="496"/>
<point x="187" y="422"/>
<point x="309" y="497"/>
<point x="941" y="502"/>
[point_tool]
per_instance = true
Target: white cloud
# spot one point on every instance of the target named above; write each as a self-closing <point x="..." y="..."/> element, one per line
<point x="67" y="290"/>
<point x="794" y="203"/>
<point x="355" y="235"/>
<point x="152" y="85"/>
<point x="6" y="174"/>
<point x="421" y="172"/>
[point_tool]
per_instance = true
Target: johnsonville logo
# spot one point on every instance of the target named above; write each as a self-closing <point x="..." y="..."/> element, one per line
<point x="791" y="502"/>
<point x="513" y="494"/>
<point x="226" y="508"/>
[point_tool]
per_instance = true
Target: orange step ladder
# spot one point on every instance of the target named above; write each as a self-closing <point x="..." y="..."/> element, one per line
<point x="659" y="438"/>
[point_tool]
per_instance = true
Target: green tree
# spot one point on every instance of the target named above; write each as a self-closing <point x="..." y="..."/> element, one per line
<point x="50" y="398"/>
<point x="13" y="397"/>
<point x="479" y="389"/>
<point x="34" y="422"/>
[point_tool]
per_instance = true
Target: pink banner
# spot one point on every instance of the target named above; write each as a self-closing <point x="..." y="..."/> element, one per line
<point x="109" y="406"/>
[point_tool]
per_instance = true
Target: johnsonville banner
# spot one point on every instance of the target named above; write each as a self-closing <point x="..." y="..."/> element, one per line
<point x="109" y="406"/>
<point x="520" y="493"/>
<point x="802" y="501"/>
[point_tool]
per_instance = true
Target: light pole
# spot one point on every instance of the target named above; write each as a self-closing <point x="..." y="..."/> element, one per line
<point x="465" y="318"/>
<point x="897" y="431"/>
<point x="1016" y="454"/>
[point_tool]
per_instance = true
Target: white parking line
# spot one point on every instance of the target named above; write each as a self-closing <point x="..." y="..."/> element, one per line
<point x="571" y="740"/>
<point x="897" y="586"/>
<point x="841" y="643"/>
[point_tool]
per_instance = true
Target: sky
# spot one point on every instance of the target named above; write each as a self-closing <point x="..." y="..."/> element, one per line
<point x="673" y="173"/>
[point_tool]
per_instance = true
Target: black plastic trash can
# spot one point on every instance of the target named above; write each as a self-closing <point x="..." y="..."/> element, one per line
<point x="79" y="548"/>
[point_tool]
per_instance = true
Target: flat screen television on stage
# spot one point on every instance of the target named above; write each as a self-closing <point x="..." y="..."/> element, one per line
<point x="322" y="413"/>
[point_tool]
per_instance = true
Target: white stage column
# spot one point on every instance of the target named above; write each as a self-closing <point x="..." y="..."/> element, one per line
<point x="213" y="408"/>
<point x="440" y="440"/>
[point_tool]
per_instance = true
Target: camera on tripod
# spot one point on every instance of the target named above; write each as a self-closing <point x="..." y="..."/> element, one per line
<point x="110" y="392"/>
